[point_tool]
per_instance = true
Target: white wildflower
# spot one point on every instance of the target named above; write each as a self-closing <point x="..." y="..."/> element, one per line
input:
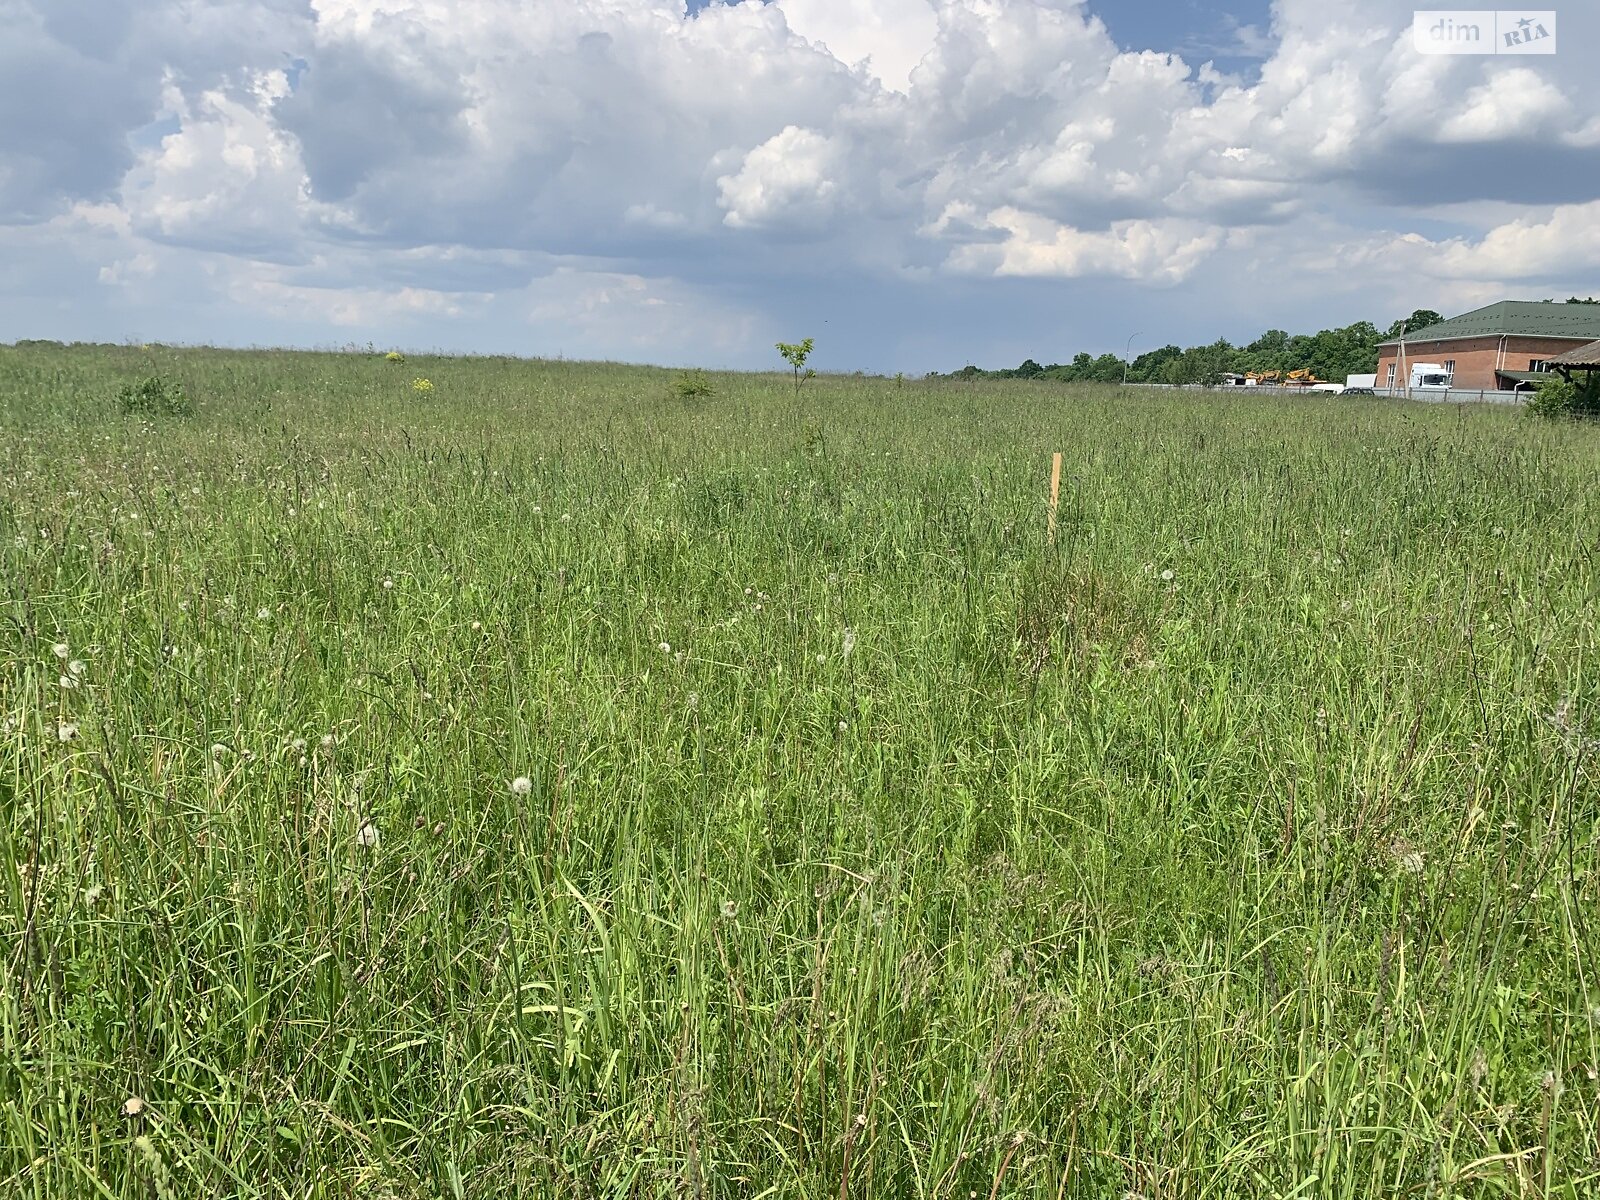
<point x="849" y="641"/>
<point x="263" y="614"/>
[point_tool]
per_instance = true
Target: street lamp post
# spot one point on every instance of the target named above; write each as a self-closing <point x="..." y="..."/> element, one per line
<point x="1125" y="349"/>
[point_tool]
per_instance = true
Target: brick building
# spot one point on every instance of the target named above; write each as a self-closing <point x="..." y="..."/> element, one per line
<point x="1503" y="345"/>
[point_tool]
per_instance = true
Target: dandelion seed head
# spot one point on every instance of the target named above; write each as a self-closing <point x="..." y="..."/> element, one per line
<point x="263" y="614"/>
<point x="1167" y="575"/>
<point x="388" y="585"/>
<point x="367" y="836"/>
<point x="665" y="647"/>
<point x="521" y="785"/>
<point x="61" y="650"/>
<point x="76" y="667"/>
<point x="133" y="1106"/>
<point x="730" y="909"/>
<point x="218" y="750"/>
<point x="66" y="731"/>
<point x="327" y="741"/>
<point x="92" y="894"/>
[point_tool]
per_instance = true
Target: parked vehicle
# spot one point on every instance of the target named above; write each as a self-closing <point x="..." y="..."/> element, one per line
<point x="1430" y="375"/>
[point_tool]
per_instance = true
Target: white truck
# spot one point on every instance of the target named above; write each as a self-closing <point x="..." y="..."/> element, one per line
<point x="1430" y="376"/>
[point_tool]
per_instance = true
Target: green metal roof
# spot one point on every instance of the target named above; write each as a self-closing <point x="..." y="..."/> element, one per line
<point x="1528" y="376"/>
<point x="1514" y="318"/>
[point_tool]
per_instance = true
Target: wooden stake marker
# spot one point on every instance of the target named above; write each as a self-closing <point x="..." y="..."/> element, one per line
<point x="1055" y="493"/>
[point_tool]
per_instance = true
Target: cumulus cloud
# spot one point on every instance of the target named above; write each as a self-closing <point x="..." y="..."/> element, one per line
<point x="1163" y="252"/>
<point x="792" y="178"/>
<point x="449" y="154"/>
<point x="1566" y="241"/>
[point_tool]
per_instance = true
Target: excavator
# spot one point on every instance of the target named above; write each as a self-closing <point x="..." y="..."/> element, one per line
<point x="1304" y="377"/>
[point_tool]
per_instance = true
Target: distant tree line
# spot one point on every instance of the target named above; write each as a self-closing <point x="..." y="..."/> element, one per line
<point x="1330" y="354"/>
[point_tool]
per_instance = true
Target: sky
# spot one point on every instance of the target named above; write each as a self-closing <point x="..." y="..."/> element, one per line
<point x="916" y="184"/>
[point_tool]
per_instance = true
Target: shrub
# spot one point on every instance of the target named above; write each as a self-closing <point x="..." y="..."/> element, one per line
<point x="1556" y="399"/>
<point x="422" y="385"/>
<point x="154" y="396"/>
<point x="394" y="356"/>
<point x="691" y="385"/>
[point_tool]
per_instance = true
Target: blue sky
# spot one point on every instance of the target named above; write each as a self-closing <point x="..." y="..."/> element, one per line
<point x="916" y="184"/>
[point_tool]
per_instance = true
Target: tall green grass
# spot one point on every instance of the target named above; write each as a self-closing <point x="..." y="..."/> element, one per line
<point x="1242" y="843"/>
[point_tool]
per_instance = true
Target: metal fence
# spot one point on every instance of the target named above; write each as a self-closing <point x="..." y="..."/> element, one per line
<point x="1426" y="395"/>
<point x="1455" y="395"/>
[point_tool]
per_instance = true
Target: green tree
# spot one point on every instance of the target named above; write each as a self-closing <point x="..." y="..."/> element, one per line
<point x="1148" y="367"/>
<point x="1420" y="319"/>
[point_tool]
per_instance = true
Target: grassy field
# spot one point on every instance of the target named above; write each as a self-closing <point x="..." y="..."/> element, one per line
<point x="541" y="786"/>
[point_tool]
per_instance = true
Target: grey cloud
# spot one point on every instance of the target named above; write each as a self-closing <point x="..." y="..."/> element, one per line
<point x="64" y="120"/>
<point x="359" y="114"/>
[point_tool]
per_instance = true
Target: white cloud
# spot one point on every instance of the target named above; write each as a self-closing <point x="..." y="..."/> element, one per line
<point x="791" y="179"/>
<point x="439" y="160"/>
<point x="1516" y="103"/>
<point x="889" y="37"/>
<point x="1164" y="252"/>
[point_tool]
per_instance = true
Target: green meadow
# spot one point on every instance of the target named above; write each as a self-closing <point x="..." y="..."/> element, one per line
<point x="545" y="785"/>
